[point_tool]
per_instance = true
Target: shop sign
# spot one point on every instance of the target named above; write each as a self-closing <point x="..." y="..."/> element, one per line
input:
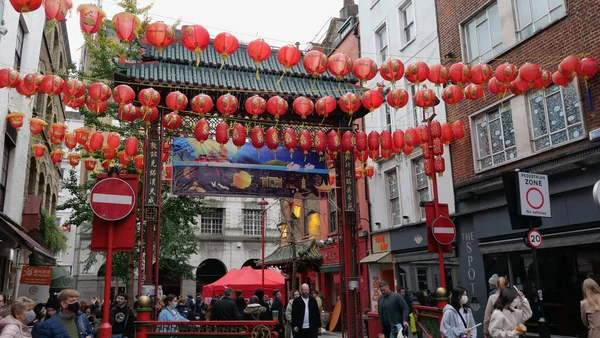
<point x="381" y="242"/>
<point x="375" y="277"/>
<point x="467" y="239"/>
<point x="152" y="173"/>
<point x="330" y="254"/>
<point x="35" y="283"/>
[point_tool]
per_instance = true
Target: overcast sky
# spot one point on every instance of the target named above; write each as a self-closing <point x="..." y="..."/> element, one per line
<point x="279" y="22"/>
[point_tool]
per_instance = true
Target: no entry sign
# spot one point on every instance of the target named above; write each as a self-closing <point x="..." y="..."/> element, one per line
<point x="443" y="230"/>
<point x="534" y="195"/>
<point x="112" y="199"/>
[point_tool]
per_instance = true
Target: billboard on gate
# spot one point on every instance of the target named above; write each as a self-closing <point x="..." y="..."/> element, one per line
<point x="209" y="169"/>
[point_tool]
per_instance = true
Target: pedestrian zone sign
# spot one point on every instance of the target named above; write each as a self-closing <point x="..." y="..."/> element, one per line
<point x="534" y="195"/>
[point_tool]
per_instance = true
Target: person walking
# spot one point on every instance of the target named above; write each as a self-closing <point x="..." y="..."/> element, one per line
<point x="590" y="307"/>
<point x="492" y="284"/>
<point x="457" y="318"/>
<point x="306" y="319"/>
<point x="278" y="306"/>
<point x="21" y="315"/>
<point x="511" y="310"/>
<point x="240" y="302"/>
<point x="391" y="308"/>
<point x="121" y="318"/>
<point x="288" y="314"/>
<point x="501" y="284"/>
<point x="69" y="322"/>
<point x="225" y="308"/>
<point x="317" y="297"/>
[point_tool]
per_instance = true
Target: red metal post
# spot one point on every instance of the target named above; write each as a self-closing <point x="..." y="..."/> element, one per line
<point x="263" y="205"/>
<point x="105" y="327"/>
<point x="157" y="251"/>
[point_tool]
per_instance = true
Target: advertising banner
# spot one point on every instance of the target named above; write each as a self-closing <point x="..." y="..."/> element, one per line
<point x="209" y="169"/>
<point x="35" y="283"/>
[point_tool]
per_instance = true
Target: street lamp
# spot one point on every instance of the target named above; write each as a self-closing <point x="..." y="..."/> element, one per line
<point x="263" y="205"/>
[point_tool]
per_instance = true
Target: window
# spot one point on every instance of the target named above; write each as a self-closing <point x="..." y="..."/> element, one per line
<point x="422" y="184"/>
<point x="414" y="107"/>
<point x="211" y="222"/>
<point x="252" y="221"/>
<point x="407" y="20"/>
<point x="382" y="44"/>
<point x="9" y="145"/>
<point x="422" y="277"/>
<point x="555" y="116"/>
<point x="388" y="117"/>
<point x="19" y="46"/>
<point x="394" y="197"/>
<point x="495" y="137"/>
<point x="332" y="212"/>
<point x="533" y="15"/>
<point x="484" y="36"/>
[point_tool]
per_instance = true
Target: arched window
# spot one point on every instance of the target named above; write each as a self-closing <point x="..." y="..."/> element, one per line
<point x="209" y="271"/>
<point x="31" y="186"/>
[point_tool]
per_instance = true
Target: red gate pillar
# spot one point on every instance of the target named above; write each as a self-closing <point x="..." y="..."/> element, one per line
<point x="143" y="316"/>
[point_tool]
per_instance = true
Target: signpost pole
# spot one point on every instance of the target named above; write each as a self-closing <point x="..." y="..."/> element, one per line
<point x="105" y="327"/>
<point x="542" y="325"/>
<point x="263" y="205"/>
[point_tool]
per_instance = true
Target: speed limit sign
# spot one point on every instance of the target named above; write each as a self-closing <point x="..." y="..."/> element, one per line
<point x="534" y="239"/>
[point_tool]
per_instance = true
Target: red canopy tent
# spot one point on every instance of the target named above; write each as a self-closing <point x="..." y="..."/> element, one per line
<point x="246" y="279"/>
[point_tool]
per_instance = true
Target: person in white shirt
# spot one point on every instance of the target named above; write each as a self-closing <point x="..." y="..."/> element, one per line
<point x="306" y="319"/>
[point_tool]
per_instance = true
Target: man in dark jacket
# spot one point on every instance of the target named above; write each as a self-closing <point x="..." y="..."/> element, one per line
<point x="121" y="318"/>
<point x="392" y="309"/>
<point x="278" y="306"/>
<point x="306" y="319"/>
<point x="225" y="308"/>
<point x="69" y="322"/>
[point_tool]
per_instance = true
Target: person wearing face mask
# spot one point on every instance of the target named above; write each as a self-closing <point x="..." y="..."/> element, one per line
<point x="511" y="310"/>
<point x="15" y="324"/>
<point x="69" y="322"/>
<point x="457" y="317"/>
<point x="169" y="313"/>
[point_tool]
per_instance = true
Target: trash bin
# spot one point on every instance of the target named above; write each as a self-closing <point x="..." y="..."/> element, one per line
<point x="374" y="324"/>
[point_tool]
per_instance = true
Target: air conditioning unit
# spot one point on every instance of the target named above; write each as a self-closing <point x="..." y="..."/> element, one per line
<point x="595" y="135"/>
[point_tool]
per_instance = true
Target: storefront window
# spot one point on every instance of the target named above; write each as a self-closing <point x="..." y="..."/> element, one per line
<point x="422" y="279"/>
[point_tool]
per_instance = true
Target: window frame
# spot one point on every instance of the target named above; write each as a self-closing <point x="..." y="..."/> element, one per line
<point x="464" y="28"/>
<point x="404" y="41"/>
<point x="391" y="199"/>
<point x="498" y="108"/>
<point x="412" y="90"/>
<point x="210" y="216"/>
<point x="389" y="118"/>
<point x="549" y="133"/>
<point x="250" y="228"/>
<point x="419" y="211"/>
<point x="9" y="146"/>
<point x="519" y="30"/>
<point x="382" y="51"/>
<point x="19" y="45"/>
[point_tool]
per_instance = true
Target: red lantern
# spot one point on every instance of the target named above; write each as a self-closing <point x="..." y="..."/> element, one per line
<point x="96" y="107"/>
<point x="423" y="134"/>
<point x="72" y="88"/>
<point x="202" y="130"/>
<point x="315" y="63"/>
<point x="460" y="73"/>
<point x="56" y="156"/>
<point x="164" y="155"/>
<point x="82" y="135"/>
<point x="473" y="91"/>
<point x="225" y="44"/>
<point x="124" y="159"/>
<point x="90" y="18"/>
<point x="373" y="141"/>
<point x="506" y="73"/>
<point x="398" y="138"/>
<point x="238" y="135"/>
<point x="417" y="72"/>
<point x="109" y="153"/>
<point x="543" y="81"/>
<point x="33" y="83"/>
<point x="70" y="141"/>
<point x="149" y="97"/>
<point x="339" y="65"/>
<point x="257" y="136"/>
<point x="370" y="171"/>
<point x="386" y="140"/>
<point x="358" y="173"/>
<point x="428" y="168"/>
<point x="24" y="6"/>
<point x="277" y="106"/>
<point x="272" y="139"/>
<point x="15" y="120"/>
<point x="452" y="94"/>
<point x="56" y="10"/>
<point x="255" y="105"/>
<point x="360" y="140"/>
<point x="447" y="134"/>
<point x="305" y="141"/>
<point x="38" y="150"/>
<point x="169" y="173"/>
<point x="126" y="25"/>
<point x="288" y="56"/>
<point x="98" y="92"/>
<point x="201" y="104"/>
<point x="560" y="79"/>
<point x="176" y="101"/>
<point x="22" y="90"/>
<point x="303" y="107"/>
<point x="425" y="98"/>
<point x="496" y="87"/>
<point x="96" y="140"/>
<point x="138" y="160"/>
<point x="333" y="142"/>
<point x="570" y="66"/>
<point x="392" y="70"/>
<point x="320" y="142"/>
<point x="131" y="146"/>
<point x="374" y="154"/>
<point x="438" y="74"/>
<point x="364" y="69"/>
<point x="57" y="130"/>
<point x="113" y="140"/>
<point x="128" y="112"/>
<point x="106" y="165"/>
<point x="74" y="159"/>
<point x="289" y="140"/>
<point x="481" y="73"/>
<point x="325" y="106"/>
<point x="410" y="137"/>
<point x="172" y="121"/>
<point x="259" y="51"/>
<point x="529" y="72"/>
<point x="36" y="125"/>
<point x="9" y="78"/>
<point x="589" y="68"/>
<point x="52" y="85"/>
<point x="438" y="146"/>
<point x="148" y="114"/>
<point x="348" y="142"/>
<point x="90" y="163"/>
<point x="436" y="129"/>
<point x="123" y="94"/>
<point x="222" y="133"/>
<point x="458" y="130"/>
<point x="227" y="104"/>
<point x="349" y="103"/>
<point x="519" y="86"/>
<point x="397" y="98"/>
<point x="439" y="165"/>
<point x="372" y="99"/>
<point x="195" y="38"/>
<point x="75" y="103"/>
<point x="426" y="150"/>
<point x="407" y="150"/>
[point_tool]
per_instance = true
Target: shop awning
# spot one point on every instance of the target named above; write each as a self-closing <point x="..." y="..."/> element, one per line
<point x="329" y="268"/>
<point x="380" y="257"/>
<point x="306" y="252"/>
<point x="16" y="232"/>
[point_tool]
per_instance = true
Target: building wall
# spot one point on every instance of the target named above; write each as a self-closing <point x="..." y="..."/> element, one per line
<point x="572" y="34"/>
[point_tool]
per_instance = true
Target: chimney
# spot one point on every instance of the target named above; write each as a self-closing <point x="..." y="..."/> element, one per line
<point x="349" y="9"/>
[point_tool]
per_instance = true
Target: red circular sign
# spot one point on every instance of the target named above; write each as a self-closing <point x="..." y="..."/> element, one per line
<point x="534" y="198"/>
<point x="534" y="238"/>
<point x="112" y="199"/>
<point x="443" y="230"/>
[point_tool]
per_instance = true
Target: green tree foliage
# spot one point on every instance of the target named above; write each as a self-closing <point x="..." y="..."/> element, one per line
<point x="54" y="239"/>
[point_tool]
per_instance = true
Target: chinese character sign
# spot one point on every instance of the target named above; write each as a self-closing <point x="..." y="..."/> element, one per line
<point x="152" y="173"/>
<point x="374" y="278"/>
<point x="35" y="283"/>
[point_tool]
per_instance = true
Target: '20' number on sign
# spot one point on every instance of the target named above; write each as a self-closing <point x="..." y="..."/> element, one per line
<point x="535" y="239"/>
